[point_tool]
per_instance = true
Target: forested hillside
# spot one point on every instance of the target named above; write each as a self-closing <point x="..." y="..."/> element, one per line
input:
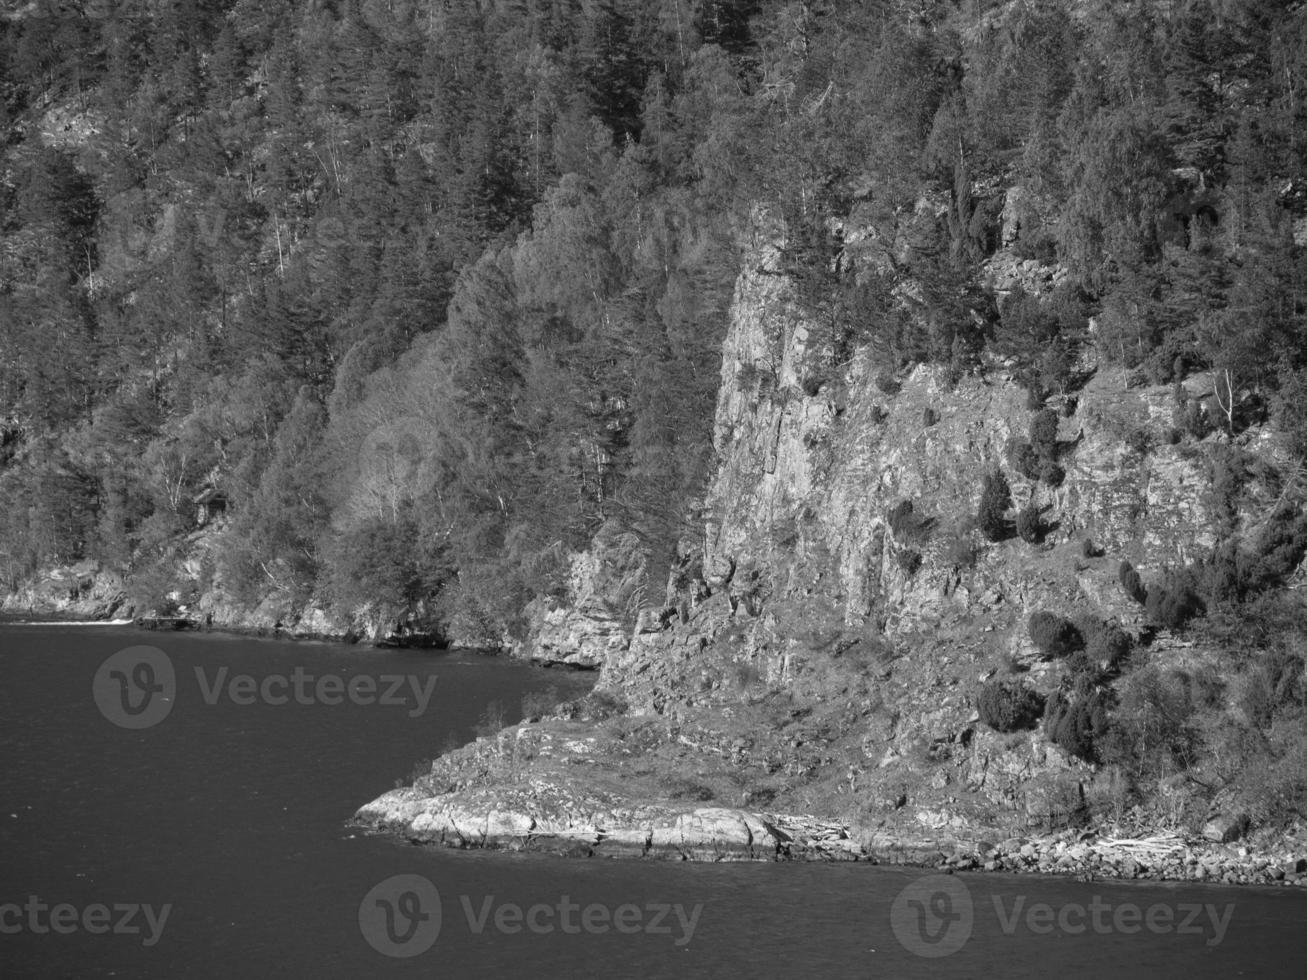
<point x="434" y="291"/>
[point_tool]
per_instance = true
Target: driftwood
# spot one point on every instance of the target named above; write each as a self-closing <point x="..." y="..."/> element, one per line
<point x="1157" y="845"/>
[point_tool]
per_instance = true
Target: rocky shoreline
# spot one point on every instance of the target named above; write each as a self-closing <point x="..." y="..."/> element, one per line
<point x="168" y="624"/>
<point x="86" y="593"/>
<point x="723" y="834"/>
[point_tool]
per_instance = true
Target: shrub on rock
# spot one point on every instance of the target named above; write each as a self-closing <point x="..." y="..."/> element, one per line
<point x="1106" y="644"/>
<point x="995" y="500"/>
<point x="1051" y="473"/>
<point x="909" y="560"/>
<point x="1173" y="602"/>
<point x="1279" y="549"/>
<point x="1132" y="583"/>
<point x="1008" y="707"/>
<point x="907" y="525"/>
<point x="1025" y="460"/>
<point x="1030" y="526"/>
<point x="1043" y="433"/>
<point x="1054" y="635"/>
<point x="1077" y="722"/>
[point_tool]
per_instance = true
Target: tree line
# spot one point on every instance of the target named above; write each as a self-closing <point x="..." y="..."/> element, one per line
<point x="435" y="290"/>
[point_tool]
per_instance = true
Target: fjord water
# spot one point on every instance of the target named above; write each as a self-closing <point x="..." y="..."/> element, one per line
<point x="234" y="816"/>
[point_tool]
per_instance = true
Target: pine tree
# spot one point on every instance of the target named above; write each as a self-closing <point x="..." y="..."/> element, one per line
<point x="615" y="68"/>
<point x="995" y="501"/>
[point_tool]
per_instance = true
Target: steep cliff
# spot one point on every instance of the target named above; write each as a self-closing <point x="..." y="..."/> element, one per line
<point x="824" y="643"/>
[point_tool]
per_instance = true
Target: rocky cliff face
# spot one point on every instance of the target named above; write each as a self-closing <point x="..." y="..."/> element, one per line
<point x="820" y="655"/>
<point x="802" y="500"/>
<point x="596" y="623"/>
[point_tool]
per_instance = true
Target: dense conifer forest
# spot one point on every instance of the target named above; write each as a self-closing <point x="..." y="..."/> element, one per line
<point x="434" y="291"/>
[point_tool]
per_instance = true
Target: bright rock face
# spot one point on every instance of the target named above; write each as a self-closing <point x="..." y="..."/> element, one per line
<point x="812" y="459"/>
<point x="590" y="628"/>
<point x="81" y="591"/>
<point x="820" y="655"/>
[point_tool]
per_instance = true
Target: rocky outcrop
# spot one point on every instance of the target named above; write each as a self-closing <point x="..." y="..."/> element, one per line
<point x="806" y="481"/>
<point x="554" y="811"/>
<point x="84" y="591"/>
<point x="1226" y="827"/>
<point x="589" y="827"/>
<point x="823" y="640"/>
<point x="278" y="614"/>
<point x="600" y="613"/>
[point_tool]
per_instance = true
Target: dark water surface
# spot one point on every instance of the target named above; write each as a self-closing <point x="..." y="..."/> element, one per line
<point x="232" y="815"/>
